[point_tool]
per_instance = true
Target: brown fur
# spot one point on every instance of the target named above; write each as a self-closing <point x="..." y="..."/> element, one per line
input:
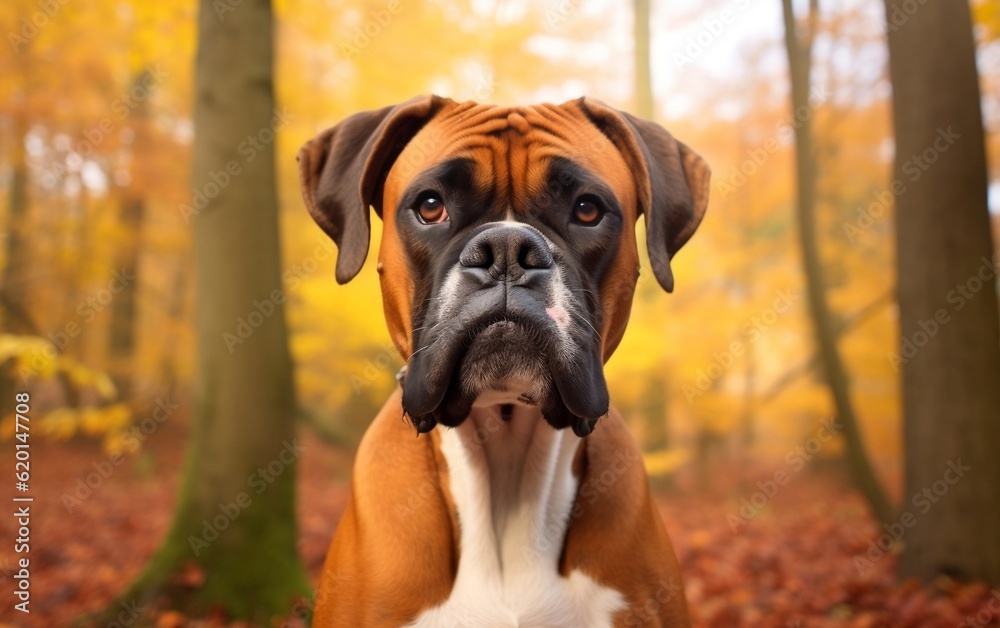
<point x="401" y="507"/>
<point x="401" y="513"/>
<point x="615" y="509"/>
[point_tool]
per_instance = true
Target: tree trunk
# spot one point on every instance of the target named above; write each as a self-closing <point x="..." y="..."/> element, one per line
<point x="121" y="339"/>
<point x="131" y="214"/>
<point x="748" y="420"/>
<point x="654" y="412"/>
<point x="799" y="60"/>
<point x="175" y="317"/>
<point x="644" y="107"/>
<point x="950" y="353"/>
<point x="235" y="517"/>
<point x="17" y="317"/>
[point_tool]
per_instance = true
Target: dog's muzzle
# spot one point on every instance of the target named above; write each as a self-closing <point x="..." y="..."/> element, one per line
<point x="509" y="316"/>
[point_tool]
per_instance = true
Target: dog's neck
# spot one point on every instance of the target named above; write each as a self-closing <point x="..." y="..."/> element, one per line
<point x="513" y="485"/>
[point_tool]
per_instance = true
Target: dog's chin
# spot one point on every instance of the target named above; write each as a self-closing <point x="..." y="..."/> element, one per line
<point x="508" y="362"/>
<point x="505" y="362"/>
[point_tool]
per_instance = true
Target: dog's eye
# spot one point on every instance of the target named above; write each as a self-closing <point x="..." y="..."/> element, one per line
<point x="587" y="211"/>
<point x="431" y="210"/>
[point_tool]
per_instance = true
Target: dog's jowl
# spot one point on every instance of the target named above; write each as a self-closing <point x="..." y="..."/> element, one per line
<point x="507" y="263"/>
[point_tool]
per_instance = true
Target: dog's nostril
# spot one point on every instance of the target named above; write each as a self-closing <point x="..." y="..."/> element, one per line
<point x="532" y="256"/>
<point x="507" y="251"/>
<point x="477" y="255"/>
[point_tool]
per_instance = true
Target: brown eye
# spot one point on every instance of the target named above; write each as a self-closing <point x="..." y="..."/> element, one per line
<point x="431" y="210"/>
<point x="587" y="212"/>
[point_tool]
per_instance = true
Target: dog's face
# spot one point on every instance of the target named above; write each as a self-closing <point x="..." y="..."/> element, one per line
<point x="508" y="257"/>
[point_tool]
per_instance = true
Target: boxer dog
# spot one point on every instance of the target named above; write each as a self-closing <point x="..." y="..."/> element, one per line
<point x="497" y="487"/>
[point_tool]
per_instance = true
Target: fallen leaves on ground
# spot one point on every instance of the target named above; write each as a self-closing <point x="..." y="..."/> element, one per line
<point x="791" y="563"/>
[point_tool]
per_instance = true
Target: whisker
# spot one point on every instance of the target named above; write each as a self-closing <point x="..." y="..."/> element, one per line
<point x="427" y="346"/>
<point x="581" y="317"/>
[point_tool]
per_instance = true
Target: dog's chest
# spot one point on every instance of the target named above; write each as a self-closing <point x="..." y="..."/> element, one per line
<point x="514" y="490"/>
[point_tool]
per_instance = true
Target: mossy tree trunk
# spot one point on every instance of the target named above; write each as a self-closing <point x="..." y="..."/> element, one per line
<point x="232" y="541"/>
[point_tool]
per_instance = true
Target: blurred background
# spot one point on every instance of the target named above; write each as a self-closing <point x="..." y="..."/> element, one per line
<point x="725" y="382"/>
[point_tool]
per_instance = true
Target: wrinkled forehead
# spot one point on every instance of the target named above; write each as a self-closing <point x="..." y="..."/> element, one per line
<point x="515" y="149"/>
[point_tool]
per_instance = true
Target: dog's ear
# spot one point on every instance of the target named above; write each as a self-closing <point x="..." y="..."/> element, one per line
<point x="342" y="171"/>
<point x="672" y="181"/>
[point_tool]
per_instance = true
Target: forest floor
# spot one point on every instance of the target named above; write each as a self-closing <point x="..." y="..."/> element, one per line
<point x="805" y="558"/>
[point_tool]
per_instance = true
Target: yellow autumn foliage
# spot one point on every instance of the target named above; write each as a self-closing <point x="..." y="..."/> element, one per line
<point x="731" y="350"/>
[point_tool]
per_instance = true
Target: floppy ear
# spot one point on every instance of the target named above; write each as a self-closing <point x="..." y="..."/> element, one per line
<point x="672" y="182"/>
<point x="342" y="171"/>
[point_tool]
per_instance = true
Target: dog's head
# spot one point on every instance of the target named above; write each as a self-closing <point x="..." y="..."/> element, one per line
<point x="508" y="258"/>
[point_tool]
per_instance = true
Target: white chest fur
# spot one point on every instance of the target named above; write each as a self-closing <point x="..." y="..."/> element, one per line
<point x="513" y="487"/>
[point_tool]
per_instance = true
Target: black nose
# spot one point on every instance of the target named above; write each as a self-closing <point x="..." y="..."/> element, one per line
<point x="507" y="252"/>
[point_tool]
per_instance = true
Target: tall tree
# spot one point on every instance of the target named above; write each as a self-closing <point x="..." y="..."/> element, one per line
<point x="131" y="214"/>
<point x="17" y="318"/>
<point x="799" y="49"/>
<point x="643" y="75"/>
<point x="235" y="517"/>
<point x="656" y="432"/>
<point x="950" y="353"/>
